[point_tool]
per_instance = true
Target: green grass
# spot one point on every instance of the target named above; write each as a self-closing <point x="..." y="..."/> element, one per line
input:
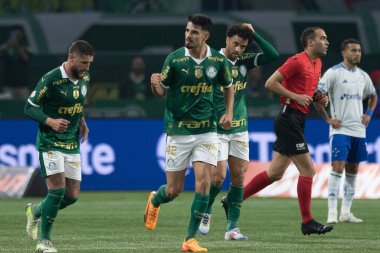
<point x="113" y="222"/>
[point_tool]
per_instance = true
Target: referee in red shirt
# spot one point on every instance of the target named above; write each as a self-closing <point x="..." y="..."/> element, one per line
<point x="296" y="82"/>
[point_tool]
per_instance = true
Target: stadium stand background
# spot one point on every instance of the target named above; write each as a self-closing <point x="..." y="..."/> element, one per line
<point x="122" y="29"/>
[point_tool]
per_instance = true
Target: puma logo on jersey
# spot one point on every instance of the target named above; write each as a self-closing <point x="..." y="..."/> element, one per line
<point x="185" y="70"/>
<point x="64" y="93"/>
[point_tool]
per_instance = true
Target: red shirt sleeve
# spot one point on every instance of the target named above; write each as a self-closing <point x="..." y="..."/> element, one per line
<point x="288" y="69"/>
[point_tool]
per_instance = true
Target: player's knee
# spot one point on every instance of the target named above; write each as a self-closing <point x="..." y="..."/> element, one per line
<point x="204" y="184"/>
<point x="218" y="180"/>
<point x="338" y="169"/>
<point x="238" y="179"/>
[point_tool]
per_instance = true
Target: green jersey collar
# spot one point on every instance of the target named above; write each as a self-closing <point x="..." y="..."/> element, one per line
<point x="64" y="74"/>
<point x="222" y="52"/>
<point x="198" y="61"/>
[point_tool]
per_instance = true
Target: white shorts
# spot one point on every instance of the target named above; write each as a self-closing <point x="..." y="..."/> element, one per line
<point x="54" y="162"/>
<point x="198" y="147"/>
<point x="233" y="144"/>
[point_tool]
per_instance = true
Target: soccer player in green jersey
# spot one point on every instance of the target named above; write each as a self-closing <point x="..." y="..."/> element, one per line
<point x="188" y="79"/>
<point x="57" y="105"/>
<point x="233" y="143"/>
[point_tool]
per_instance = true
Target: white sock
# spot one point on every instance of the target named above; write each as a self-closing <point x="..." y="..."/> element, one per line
<point x="333" y="191"/>
<point x="349" y="192"/>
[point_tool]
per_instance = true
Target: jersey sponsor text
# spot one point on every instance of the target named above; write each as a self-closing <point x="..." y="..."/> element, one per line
<point x="197" y="89"/>
<point x="72" y="110"/>
<point x="194" y="124"/>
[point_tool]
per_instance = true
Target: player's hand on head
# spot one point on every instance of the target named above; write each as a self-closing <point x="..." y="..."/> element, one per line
<point x="249" y="26"/>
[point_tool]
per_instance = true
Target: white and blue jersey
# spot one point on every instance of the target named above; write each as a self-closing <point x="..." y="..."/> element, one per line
<point x="347" y="88"/>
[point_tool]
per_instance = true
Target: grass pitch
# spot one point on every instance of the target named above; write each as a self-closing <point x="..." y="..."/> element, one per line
<point x="113" y="222"/>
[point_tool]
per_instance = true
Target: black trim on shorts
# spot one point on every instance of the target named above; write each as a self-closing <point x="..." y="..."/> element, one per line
<point x="289" y="126"/>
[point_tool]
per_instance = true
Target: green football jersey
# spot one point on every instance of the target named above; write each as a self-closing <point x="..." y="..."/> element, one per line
<point x="60" y="97"/>
<point x="239" y="70"/>
<point x="191" y="83"/>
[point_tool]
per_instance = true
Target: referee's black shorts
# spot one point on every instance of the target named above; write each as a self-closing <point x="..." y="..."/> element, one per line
<point x="289" y="126"/>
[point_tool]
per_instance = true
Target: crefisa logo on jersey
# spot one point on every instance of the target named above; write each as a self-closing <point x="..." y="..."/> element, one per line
<point x="211" y="72"/>
<point x="243" y="70"/>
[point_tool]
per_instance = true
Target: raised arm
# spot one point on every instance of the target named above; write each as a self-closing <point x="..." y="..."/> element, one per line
<point x="269" y="53"/>
<point x="155" y="84"/>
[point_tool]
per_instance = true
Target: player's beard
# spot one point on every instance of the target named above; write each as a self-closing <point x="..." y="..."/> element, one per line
<point x="75" y="73"/>
<point x="354" y="61"/>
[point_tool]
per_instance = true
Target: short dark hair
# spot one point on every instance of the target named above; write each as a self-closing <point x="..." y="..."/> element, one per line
<point x="348" y="41"/>
<point x="307" y="34"/>
<point x="241" y="31"/>
<point x="201" y="20"/>
<point x="81" y="47"/>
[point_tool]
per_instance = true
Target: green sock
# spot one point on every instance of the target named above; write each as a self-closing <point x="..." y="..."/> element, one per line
<point x="38" y="208"/>
<point x="49" y="211"/>
<point x="234" y="200"/>
<point x="214" y="190"/>
<point x="160" y="197"/>
<point x="198" y="208"/>
<point x="66" y="201"/>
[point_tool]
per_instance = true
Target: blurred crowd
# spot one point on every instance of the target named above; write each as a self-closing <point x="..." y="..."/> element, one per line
<point x="15" y="58"/>
<point x="149" y="6"/>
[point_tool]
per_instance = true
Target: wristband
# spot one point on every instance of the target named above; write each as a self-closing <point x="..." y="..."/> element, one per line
<point x="369" y="112"/>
